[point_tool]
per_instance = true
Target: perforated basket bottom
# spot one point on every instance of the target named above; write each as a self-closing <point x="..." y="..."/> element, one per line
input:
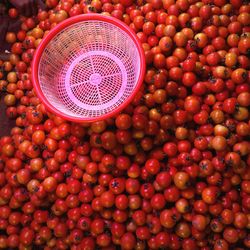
<point x="95" y="79"/>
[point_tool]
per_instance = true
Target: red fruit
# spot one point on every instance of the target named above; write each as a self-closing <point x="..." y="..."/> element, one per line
<point x="152" y="166"/>
<point x="167" y="218"/>
<point x="128" y="241"/>
<point x="199" y="222"/>
<point x="192" y="105"/>
<point x="107" y="199"/>
<point x="163" y="179"/>
<point x="26" y="236"/>
<point x="210" y="194"/>
<point x="230" y="235"/>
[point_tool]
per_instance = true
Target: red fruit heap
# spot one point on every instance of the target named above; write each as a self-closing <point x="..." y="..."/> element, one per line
<point x="172" y="171"/>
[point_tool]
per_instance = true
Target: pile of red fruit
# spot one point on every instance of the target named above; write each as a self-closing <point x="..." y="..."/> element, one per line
<point x="171" y="172"/>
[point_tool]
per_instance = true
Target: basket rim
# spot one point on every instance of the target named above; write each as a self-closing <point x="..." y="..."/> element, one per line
<point x="58" y="28"/>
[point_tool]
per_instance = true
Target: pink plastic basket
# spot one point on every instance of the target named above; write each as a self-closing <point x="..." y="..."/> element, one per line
<point x="88" y="68"/>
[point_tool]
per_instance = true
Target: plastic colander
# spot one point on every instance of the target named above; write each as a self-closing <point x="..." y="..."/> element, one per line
<point x="88" y="68"/>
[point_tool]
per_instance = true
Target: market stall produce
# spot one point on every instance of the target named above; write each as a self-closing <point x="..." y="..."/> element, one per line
<point x="170" y="171"/>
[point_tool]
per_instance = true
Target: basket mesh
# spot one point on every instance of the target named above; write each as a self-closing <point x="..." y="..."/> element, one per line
<point x="89" y="69"/>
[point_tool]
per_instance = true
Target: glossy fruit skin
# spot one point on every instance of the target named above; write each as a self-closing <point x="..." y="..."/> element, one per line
<point x="170" y="171"/>
<point x="152" y="166"/>
<point x="209" y="195"/>
<point x="167" y="219"/>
